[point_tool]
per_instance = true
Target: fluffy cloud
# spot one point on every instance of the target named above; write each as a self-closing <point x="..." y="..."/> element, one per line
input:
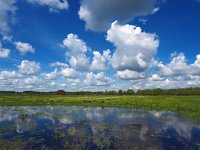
<point x="156" y="77"/>
<point x="58" y="64"/>
<point x="98" y="62"/>
<point x="79" y="61"/>
<point x="29" y="67"/>
<point x="196" y="66"/>
<point x="9" y="74"/>
<point x="194" y="81"/>
<point x="77" y="52"/>
<point x="24" y="48"/>
<point x="178" y="66"/>
<point x="9" y="80"/>
<point x="176" y="74"/>
<point x="7" y="12"/>
<point x="32" y="81"/>
<point x="135" y="49"/>
<point x="74" y="43"/>
<point x="74" y="82"/>
<point x="68" y="72"/>
<point x="54" y="5"/>
<point x="99" y="14"/>
<point x="4" y="53"/>
<point x="130" y="75"/>
<point x="51" y="75"/>
<point x="97" y="79"/>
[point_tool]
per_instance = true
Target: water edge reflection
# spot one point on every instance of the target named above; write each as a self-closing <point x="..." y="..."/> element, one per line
<point x="60" y="127"/>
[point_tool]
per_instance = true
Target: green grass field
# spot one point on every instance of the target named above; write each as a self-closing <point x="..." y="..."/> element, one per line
<point x="184" y="105"/>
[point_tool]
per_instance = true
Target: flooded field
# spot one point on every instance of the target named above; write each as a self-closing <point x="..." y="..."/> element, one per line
<point x="60" y="127"/>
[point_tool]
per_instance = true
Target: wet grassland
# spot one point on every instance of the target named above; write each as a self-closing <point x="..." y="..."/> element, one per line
<point x="188" y="106"/>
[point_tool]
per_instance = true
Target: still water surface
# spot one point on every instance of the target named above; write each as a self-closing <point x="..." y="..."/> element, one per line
<point x="59" y="127"/>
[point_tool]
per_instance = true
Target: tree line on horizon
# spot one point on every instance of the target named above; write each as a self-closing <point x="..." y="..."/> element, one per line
<point x="145" y="92"/>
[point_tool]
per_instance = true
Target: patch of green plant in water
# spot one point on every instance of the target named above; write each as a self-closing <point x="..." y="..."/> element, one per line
<point x="102" y="143"/>
<point x="103" y="127"/>
<point x="72" y="131"/>
<point x="16" y="143"/>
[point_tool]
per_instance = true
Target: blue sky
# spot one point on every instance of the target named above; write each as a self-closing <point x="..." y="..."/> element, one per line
<point x="95" y="45"/>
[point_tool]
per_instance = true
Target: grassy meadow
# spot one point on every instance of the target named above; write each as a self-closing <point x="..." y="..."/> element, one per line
<point x="184" y="105"/>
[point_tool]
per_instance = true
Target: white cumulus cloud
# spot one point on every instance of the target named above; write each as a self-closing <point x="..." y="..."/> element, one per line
<point x="99" y="79"/>
<point x="76" y="53"/>
<point x="54" y="5"/>
<point x="74" y="82"/>
<point x="24" y="48"/>
<point x="179" y="66"/>
<point x="51" y="75"/>
<point x="135" y="49"/>
<point x="68" y="72"/>
<point x="4" y="52"/>
<point x="178" y="73"/>
<point x="29" y="67"/>
<point x="130" y="75"/>
<point x="99" y="60"/>
<point x="34" y="80"/>
<point x="156" y="77"/>
<point x="9" y="74"/>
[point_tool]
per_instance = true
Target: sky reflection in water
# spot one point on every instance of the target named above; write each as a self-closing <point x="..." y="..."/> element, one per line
<point x="59" y="127"/>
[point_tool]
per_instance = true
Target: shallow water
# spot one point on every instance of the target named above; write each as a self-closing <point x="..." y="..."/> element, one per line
<point x="59" y="127"/>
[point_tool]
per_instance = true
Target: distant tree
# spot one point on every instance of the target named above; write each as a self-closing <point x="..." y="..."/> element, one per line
<point x="120" y="92"/>
<point x="157" y="91"/>
<point x="113" y="92"/>
<point x="60" y="92"/>
<point x="130" y="92"/>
